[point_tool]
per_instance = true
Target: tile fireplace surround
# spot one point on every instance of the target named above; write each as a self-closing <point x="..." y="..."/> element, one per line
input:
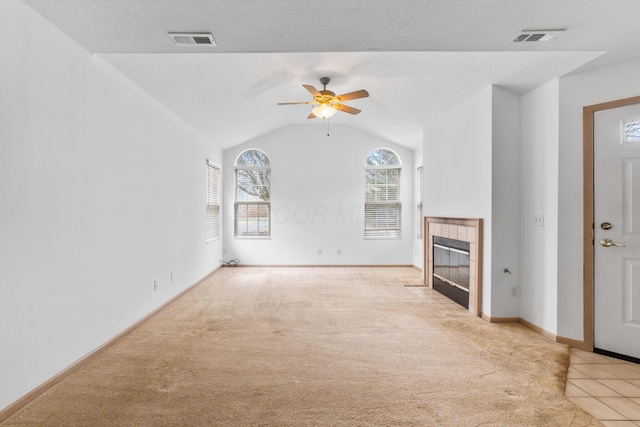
<point x="466" y="230"/>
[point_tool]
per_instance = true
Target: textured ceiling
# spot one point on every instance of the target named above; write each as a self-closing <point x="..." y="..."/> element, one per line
<point x="416" y="58"/>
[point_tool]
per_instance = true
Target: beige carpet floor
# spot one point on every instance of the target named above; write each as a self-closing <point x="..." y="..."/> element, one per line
<point x="331" y="346"/>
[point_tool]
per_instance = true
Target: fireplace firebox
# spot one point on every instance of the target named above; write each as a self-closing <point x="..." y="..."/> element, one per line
<point x="451" y="269"/>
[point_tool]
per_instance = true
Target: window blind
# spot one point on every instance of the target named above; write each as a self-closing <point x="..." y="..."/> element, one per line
<point x="212" y="216"/>
<point x="382" y="220"/>
<point x="382" y="209"/>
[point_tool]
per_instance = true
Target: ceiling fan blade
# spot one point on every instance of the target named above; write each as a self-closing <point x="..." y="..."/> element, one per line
<point x="294" y="103"/>
<point x="353" y="95"/>
<point x="346" y="109"/>
<point x="311" y="116"/>
<point x="312" y="90"/>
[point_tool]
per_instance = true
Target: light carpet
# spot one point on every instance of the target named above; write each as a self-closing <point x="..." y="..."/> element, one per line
<point x="253" y="346"/>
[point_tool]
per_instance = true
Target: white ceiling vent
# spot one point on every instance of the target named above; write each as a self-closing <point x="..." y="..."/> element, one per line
<point x="530" y="36"/>
<point x="204" y="39"/>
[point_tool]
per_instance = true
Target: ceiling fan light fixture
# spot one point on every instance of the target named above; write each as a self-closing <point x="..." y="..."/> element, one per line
<point x="324" y="111"/>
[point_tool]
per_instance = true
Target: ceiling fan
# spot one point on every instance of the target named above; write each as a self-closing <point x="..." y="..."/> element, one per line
<point x="326" y="103"/>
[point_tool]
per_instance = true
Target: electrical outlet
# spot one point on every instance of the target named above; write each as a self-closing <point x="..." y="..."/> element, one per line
<point x="172" y="277"/>
<point x="339" y="252"/>
<point x="538" y="220"/>
<point x="319" y="251"/>
<point x="514" y="292"/>
<point x="155" y="284"/>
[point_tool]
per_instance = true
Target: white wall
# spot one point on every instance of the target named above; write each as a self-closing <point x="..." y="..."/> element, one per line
<point x="317" y="191"/>
<point x="539" y="196"/>
<point x="576" y="91"/>
<point x="418" y="244"/>
<point x="505" y="203"/>
<point x="102" y="192"/>
<point x="457" y="168"/>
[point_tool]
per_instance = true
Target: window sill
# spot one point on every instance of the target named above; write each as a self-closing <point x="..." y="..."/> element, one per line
<point x="383" y="238"/>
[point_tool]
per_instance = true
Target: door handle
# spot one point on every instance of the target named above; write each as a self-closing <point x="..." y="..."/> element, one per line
<point x="609" y="242"/>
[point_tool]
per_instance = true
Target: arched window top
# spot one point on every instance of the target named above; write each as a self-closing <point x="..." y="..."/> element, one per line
<point x="383" y="157"/>
<point x="252" y="158"/>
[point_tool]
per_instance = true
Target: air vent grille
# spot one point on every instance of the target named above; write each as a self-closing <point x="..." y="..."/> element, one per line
<point x="530" y="36"/>
<point x="205" y="39"/>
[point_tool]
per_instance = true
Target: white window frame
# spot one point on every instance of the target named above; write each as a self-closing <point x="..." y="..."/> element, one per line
<point x="257" y="211"/>
<point x="212" y="209"/>
<point x="378" y="224"/>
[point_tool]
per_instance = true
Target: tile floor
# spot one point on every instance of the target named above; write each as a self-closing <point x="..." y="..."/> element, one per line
<point x="607" y="388"/>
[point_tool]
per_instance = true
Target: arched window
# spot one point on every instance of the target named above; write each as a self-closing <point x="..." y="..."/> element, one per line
<point x="382" y="207"/>
<point x="252" y="216"/>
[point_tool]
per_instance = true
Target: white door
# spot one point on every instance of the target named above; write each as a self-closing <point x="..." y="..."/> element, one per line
<point x="617" y="230"/>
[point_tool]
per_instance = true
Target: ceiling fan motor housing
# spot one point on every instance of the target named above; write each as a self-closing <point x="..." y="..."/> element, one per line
<point x="327" y="96"/>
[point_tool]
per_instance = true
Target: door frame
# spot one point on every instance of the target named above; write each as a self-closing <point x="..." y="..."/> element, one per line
<point x="588" y="226"/>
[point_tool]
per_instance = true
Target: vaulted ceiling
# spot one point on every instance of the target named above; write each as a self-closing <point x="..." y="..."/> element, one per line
<point x="417" y="58"/>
